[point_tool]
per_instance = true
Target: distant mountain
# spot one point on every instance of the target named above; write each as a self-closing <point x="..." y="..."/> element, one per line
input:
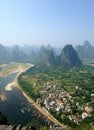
<point x="85" y="51"/>
<point x="50" y="57"/>
<point x="4" y="55"/>
<point x="18" y="56"/>
<point x="87" y="44"/>
<point x="44" y="55"/>
<point x="69" y="57"/>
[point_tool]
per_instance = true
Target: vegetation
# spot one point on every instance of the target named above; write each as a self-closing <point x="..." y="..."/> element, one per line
<point x="67" y="78"/>
<point x="3" y="119"/>
<point x="44" y="128"/>
<point x="35" y="124"/>
<point x="86" y="51"/>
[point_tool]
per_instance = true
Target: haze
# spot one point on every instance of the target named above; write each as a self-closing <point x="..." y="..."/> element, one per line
<point x="54" y="22"/>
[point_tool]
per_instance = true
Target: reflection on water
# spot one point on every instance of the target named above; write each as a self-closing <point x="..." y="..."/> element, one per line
<point x="16" y="107"/>
<point x="13" y="105"/>
<point x="6" y="80"/>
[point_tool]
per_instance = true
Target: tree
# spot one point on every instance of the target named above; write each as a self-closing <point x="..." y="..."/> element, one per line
<point x="43" y="128"/>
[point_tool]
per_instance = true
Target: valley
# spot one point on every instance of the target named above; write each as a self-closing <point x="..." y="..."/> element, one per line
<point x="47" y="65"/>
<point x="66" y="92"/>
<point x="17" y="108"/>
<point x="57" y="88"/>
<point x="14" y="99"/>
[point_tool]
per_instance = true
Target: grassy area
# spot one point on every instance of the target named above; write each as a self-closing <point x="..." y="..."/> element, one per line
<point x="66" y="78"/>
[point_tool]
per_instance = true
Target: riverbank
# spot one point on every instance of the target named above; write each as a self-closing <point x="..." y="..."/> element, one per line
<point x="3" y="97"/>
<point x="13" y="84"/>
<point x="13" y="67"/>
<point x="42" y="110"/>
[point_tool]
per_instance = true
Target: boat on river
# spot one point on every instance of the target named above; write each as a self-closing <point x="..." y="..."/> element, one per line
<point x="22" y="111"/>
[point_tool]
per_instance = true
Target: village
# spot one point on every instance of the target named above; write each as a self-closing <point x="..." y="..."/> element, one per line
<point x="60" y="102"/>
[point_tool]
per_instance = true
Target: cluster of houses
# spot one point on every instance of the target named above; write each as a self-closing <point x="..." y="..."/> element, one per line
<point x="60" y="101"/>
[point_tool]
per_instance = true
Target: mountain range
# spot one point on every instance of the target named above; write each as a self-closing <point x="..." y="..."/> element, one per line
<point x="51" y="56"/>
<point x="85" y="51"/>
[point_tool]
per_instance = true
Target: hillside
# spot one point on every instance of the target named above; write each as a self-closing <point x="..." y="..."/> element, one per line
<point x="69" y="57"/>
<point x="86" y="51"/>
<point x="44" y="55"/>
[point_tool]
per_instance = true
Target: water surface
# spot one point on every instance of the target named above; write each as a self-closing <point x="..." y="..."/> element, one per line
<point x="16" y="107"/>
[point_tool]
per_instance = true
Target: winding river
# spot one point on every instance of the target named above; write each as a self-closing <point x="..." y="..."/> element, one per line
<point x="15" y="106"/>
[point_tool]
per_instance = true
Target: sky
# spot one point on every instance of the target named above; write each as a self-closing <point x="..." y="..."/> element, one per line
<point x="55" y="22"/>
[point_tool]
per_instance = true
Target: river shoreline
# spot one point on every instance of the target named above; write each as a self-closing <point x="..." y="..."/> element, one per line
<point x="12" y="90"/>
<point x="42" y="110"/>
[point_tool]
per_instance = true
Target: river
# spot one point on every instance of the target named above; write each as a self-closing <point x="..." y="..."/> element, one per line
<point x="15" y="106"/>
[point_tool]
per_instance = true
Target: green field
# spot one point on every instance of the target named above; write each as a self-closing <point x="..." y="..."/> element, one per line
<point x="67" y="79"/>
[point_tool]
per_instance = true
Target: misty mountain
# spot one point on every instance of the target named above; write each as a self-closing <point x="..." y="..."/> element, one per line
<point x="50" y="58"/>
<point x="69" y="57"/>
<point x="8" y="54"/>
<point x="43" y="55"/>
<point x="18" y="56"/>
<point x="4" y="55"/>
<point x="86" y="51"/>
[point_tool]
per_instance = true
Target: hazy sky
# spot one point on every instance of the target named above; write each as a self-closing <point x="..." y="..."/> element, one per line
<point x="53" y="22"/>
